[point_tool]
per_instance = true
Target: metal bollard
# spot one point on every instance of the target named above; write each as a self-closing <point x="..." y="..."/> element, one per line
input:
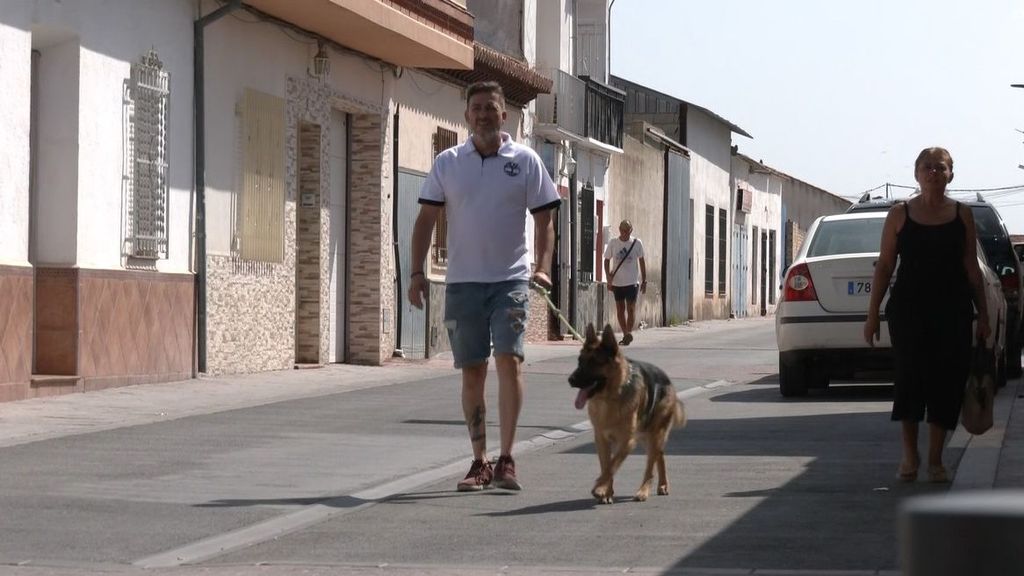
<point x="963" y="534"/>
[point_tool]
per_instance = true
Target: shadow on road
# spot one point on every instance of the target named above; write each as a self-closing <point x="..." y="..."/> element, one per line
<point x="565" y="506"/>
<point x="836" y="392"/>
<point x="816" y="491"/>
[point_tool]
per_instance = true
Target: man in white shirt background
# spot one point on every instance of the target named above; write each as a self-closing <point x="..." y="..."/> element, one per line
<point x="628" y="278"/>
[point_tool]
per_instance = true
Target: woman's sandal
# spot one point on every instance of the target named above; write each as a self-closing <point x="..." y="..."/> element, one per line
<point x="907" y="472"/>
<point x="937" y="474"/>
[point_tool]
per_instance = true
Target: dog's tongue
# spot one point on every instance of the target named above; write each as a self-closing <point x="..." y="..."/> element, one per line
<point x="581" y="399"/>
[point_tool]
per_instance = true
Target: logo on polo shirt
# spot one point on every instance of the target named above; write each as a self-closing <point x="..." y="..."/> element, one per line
<point x="511" y="168"/>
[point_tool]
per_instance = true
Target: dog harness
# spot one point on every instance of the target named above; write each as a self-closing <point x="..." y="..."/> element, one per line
<point x="655" y="388"/>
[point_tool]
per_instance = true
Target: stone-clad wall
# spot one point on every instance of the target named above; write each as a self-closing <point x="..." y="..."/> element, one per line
<point x="252" y="308"/>
<point x="367" y="233"/>
<point x="309" y="346"/>
<point x="251" y="311"/>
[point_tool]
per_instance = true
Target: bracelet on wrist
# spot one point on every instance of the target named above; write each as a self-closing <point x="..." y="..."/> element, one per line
<point x="415" y="274"/>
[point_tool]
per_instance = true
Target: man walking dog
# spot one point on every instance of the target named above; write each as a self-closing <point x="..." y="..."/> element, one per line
<point x="486" y="186"/>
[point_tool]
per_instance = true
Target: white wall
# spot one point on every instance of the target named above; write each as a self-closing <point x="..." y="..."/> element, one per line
<point x="87" y="49"/>
<point x="15" y="63"/>
<point x="593" y="39"/>
<point x="498" y="25"/>
<point x="805" y="202"/>
<point x="55" y="226"/>
<point x="106" y="62"/>
<point x="554" y="23"/>
<point x="766" y="214"/>
<point x="530" y="39"/>
<point x="421" y="114"/>
<point x="262" y="57"/>
<point x="709" y="141"/>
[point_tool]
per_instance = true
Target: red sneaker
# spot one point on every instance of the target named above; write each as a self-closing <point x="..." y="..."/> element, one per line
<point x="505" y="474"/>
<point x="479" y="476"/>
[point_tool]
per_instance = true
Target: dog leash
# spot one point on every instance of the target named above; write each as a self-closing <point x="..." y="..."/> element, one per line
<point x="547" y="298"/>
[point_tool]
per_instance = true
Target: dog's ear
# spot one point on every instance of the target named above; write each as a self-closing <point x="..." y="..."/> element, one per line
<point x="608" y="339"/>
<point x="591" y="334"/>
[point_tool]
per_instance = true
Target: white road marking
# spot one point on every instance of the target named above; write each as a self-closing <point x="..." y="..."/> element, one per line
<point x="334" y="507"/>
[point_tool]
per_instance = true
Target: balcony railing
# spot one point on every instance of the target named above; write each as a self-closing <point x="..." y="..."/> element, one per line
<point x="563" y="107"/>
<point x="583" y="107"/>
<point x="603" y="112"/>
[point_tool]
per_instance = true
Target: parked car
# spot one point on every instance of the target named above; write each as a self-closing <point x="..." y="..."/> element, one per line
<point x="1002" y="259"/>
<point x="826" y="291"/>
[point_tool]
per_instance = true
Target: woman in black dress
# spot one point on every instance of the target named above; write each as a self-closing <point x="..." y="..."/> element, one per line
<point x="930" y="310"/>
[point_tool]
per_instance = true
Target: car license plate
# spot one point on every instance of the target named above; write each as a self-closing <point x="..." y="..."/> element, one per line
<point x="858" y="287"/>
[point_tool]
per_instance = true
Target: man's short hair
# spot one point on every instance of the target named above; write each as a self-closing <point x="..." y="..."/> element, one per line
<point x="489" y="86"/>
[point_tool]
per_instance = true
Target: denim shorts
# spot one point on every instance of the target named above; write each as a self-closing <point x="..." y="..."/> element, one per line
<point x="478" y="314"/>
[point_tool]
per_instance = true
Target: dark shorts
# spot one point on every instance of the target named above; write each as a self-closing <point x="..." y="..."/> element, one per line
<point x="627" y="293"/>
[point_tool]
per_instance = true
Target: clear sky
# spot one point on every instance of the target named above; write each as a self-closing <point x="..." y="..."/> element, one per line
<point x="844" y="94"/>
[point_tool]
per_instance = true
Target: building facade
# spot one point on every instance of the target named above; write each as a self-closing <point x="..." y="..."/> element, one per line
<point x="95" y="189"/>
<point x="578" y="131"/>
<point x="756" y="237"/>
<point x="706" y="139"/>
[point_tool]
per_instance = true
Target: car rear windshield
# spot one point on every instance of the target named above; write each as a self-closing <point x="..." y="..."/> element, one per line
<point x="992" y="236"/>
<point x="835" y="237"/>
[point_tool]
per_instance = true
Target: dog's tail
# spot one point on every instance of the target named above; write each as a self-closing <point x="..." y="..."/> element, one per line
<point x="679" y="415"/>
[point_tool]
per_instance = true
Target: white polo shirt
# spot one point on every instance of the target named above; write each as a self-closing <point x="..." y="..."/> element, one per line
<point x="487" y="200"/>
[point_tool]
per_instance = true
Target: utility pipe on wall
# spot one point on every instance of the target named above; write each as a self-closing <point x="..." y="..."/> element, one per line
<point x="199" y="129"/>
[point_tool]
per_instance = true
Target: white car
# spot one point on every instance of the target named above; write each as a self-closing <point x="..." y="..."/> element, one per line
<point x="819" y="323"/>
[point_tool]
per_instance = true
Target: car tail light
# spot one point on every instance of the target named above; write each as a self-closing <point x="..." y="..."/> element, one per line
<point x="1010" y="281"/>
<point x="799" y="286"/>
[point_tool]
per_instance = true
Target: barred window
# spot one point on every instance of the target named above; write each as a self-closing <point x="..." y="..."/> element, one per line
<point x="146" y="179"/>
<point x="722" y="247"/>
<point x="771" y="266"/>
<point x="709" y="250"/>
<point x="587" y="233"/>
<point x="260" y="210"/>
<point x="443" y="140"/>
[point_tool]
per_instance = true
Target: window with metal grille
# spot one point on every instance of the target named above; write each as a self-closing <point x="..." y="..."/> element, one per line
<point x="443" y="140"/>
<point x="709" y="250"/>
<point x="587" y="234"/>
<point x="754" y="264"/>
<point x="146" y="169"/>
<point x="260" y="216"/>
<point x="771" y="266"/>
<point x="723" y="239"/>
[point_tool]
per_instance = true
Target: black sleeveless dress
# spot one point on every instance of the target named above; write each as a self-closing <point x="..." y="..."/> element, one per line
<point x="929" y="314"/>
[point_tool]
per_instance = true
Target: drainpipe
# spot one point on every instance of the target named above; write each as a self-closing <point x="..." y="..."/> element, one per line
<point x="199" y="128"/>
<point x="574" y="208"/>
<point x="399" y="302"/>
<point x="608" y="25"/>
<point x="574" y="264"/>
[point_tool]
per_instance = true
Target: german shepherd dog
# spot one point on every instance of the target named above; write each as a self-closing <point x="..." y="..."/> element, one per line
<point x="626" y="400"/>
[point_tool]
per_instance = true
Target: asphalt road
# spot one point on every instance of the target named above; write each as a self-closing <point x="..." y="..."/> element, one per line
<point x="358" y="477"/>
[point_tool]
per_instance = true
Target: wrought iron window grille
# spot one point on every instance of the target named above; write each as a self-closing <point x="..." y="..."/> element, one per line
<point x="146" y="166"/>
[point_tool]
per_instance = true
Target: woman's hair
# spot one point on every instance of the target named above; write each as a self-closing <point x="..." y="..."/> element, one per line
<point x="626" y="223"/>
<point x="931" y="152"/>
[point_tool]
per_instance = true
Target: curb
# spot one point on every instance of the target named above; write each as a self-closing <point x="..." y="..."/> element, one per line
<point x="980" y="461"/>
